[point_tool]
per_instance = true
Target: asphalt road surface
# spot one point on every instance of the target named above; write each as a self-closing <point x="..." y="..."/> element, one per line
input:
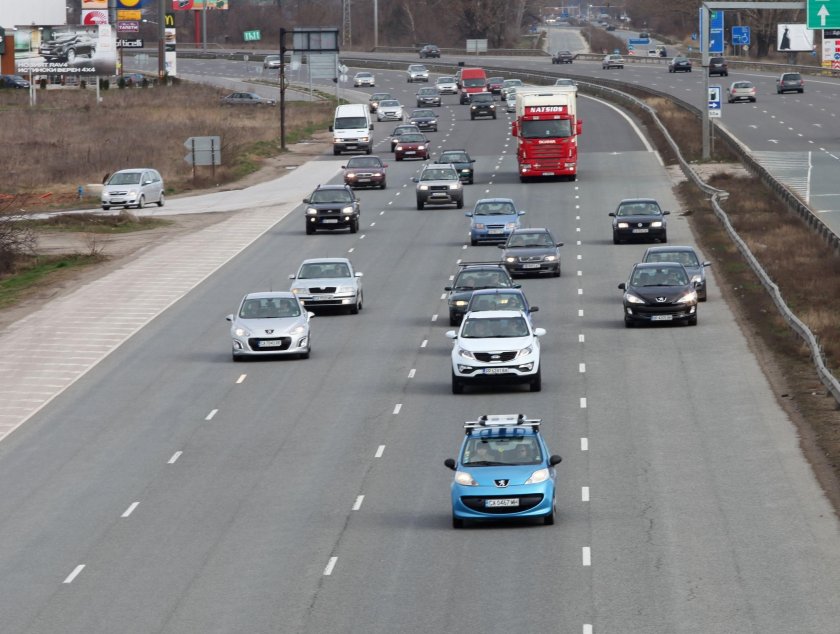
<point x="171" y="490"/>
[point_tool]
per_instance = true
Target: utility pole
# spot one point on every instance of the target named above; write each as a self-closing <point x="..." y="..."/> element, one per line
<point x="161" y="40"/>
<point x="283" y="89"/>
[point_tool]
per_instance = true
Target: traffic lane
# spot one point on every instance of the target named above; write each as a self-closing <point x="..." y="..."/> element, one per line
<point x="566" y="39"/>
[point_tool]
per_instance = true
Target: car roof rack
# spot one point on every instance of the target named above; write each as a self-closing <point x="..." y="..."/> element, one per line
<point x="494" y="263"/>
<point x="502" y="420"/>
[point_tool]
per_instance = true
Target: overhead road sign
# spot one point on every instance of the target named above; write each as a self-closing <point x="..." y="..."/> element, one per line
<point x="639" y="40"/>
<point x="741" y="35"/>
<point x="823" y="14"/>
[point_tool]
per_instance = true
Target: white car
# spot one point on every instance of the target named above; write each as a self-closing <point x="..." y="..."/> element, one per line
<point x="364" y="79"/>
<point x="496" y="346"/>
<point x="447" y="85"/>
<point x="389" y="110"/>
<point x="271" y="61"/>
<point x="612" y="61"/>
<point x="328" y="283"/>
<point x="270" y="323"/>
<point x="417" y="72"/>
<point x="133" y="188"/>
<point x="510" y="100"/>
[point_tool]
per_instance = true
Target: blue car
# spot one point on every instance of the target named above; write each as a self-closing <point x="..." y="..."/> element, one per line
<point x="493" y="220"/>
<point x="504" y="471"/>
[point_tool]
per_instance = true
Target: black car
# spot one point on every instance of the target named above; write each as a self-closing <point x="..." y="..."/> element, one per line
<point x="429" y="96"/>
<point x="531" y="251"/>
<point x="471" y="277"/>
<point x="639" y="219"/>
<point x="482" y="105"/>
<point x="718" y="66"/>
<point x="429" y="50"/>
<point x="659" y="291"/>
<point x="332" y="207"/>
<point x="407" y="128"/>
<point x="562" y="57"/>
<point x="686" y="256"/>
<point x="13" y="81"/>
<point x="66" y="47"/>
<point x="424" y="119"/>
<point x="462" y="162"/>
<point x="494" y="85"/>
<point x="679" y="65"/>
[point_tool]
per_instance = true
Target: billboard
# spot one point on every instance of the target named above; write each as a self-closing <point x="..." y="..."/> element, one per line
<point x="94" y="16"/>
<point x="794" y="37"/>
<point x="94" y="4"/>
<point x="14" y="12"/>
<point x="198" y="5"/>
<point x="66" y="50"/>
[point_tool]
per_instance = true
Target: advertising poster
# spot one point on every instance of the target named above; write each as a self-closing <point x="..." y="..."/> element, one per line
<point x="794" y="37"/>
<point x="94" y="16"/>
<point x="130" y="4"/>
<point x="169" y="57"/>
<point x="95" y="4"/>
<point x="198" y="5"/>
<point x="66" y="50"/>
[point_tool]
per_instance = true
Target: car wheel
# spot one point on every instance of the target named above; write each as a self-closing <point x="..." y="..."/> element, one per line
<point x="473" y="242"/>
<point x="141" y="202"/>
<point x="420" y="204"/>
<point x="309" y="229"/>
<point x="628" y="323"/>
<point x="236" y="358"/>
<point x="536" y="382"/>
<point x="548" y="520"/>
<point x="752" y="100"/>
<point x="161" y="201"/>
<point x="471" y="180"/>
<point x="558" y="272"/>
<point x="460" y="204"/>
<point x="354" y="309"/>
<point x="397" y="158"/>
<point x="457" y="386"/>
<point x="453" y="319"/>
<point x="615" y="239"/>
<point x="354" y="226"/>
<point x="494" y="115"/>
<point x="382" y="186"/>
<point x="457" y="522"/>
<point x="336" y="151"/>
<point x="693" y="321"/>
<point x="664" y="238"/>
<point x="472" y="118"/>
<point x="106" y="207"/>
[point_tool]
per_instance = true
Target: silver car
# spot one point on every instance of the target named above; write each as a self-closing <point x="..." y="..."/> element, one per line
<point x="439" y="184"/>
<point x="133" y="188"/>
<point x="270" y="323"/>
<point x="687" y="256"/>
<point x="447" y="85"/>
<point x="271" y="61"/>
<point x="417" y="72"/>
<point x="328" y="282"/>
<point x="389" y="110"/>
<point x="510" y="100"/>
<point x="247" y="99"/>
<point x="364" y="79"/>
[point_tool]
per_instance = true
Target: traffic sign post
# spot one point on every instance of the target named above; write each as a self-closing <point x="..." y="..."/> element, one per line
<point x="823" y="14"/>
<point x="741" y="35"/>
<point x="714" y="102"/>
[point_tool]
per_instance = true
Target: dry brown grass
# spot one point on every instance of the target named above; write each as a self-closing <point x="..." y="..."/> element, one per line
<point x="67" y="140"/>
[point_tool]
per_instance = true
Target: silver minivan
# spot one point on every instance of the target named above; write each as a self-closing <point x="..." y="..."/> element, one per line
<point x="133" y="188"/>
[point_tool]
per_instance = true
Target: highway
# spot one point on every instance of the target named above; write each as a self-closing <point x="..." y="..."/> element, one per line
<point x="170" y="490"/>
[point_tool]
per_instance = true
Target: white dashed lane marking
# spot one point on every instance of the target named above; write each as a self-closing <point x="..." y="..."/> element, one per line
<point x="75" y="573"/>
<point x="175" y="457"/>
<point x="587" y="556"/>
<point x="330" y="566"/>
<point x="130" y="509"/>
<point x="584" y="444"/>
<point x="358" y="503"/>
<point x="211" y="414"/>
<point x="379" y="451"/>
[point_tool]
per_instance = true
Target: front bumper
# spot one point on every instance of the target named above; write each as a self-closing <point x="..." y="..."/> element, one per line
<point x="489" y="235"/>
<point x="638" y="314"/>
<point x="270" y="346"/>
<point x="529" y="268"/>
<point x="333" y="221"/>
<point x="449" y="197"/>
<point x="643" y="233"/>
<point x="327" y="300"/>
<point x="531" y="500"/>
<point x="548" y="167"/>
<point x="478" y="373"/>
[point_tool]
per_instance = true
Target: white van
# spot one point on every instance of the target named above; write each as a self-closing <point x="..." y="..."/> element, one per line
<point x="351" y="128"/>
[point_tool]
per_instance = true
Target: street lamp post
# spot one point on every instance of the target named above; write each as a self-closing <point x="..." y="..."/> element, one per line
<point x="161" y="40"/>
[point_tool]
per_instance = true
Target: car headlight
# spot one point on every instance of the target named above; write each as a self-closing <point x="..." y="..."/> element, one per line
<point x="351" y="175"/>
<point x="622" y="225"/>
<point x="540" y="475"/>
<point x="466" y="170"/>
<point x="480" y="225"/>
<point x="421" y="147"/>
<point x="463" y="352"/>
<point x="524" y="352"/>
<point x="455" y="185"/>
<point x="656" y="223"/>
<point x="399" y="147"/>
<point x="510" y="259"/>
<point x="347" y="210"/>
<point x="510" y="226"/>
<point x="492" y="106"/>
<point x="365" y="139"/>
<point x="464" y="478"/>
<point x="424" y="187"/>
<point x="689" y="298"/>
<point x="345" y="289"/>
<point x="311" y="211"/>
<point x="630" y="298"/>
<point x="460" y="303"/>
<point x="298" y="330"/>
<point x="550" y="258"/>
<point x="472" y="107"/>
<point x="241" y="332"/>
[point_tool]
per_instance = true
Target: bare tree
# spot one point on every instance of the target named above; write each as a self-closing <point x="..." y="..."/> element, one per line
<point x="16" y="237"/>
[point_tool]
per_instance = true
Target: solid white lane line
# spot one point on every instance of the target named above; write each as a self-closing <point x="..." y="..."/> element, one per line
<point x="587" y="556"/>
<point x="379" y="451"/>
<point x="397" y="408"/>
<point x="411" y="373"/>
<point x="358" y="503"/>
<point x="584" y="444"/>
<point x="581" y="368"/>
<point x="580" y="313"/>
<point x="584" y="494"/>
<point x="175" y="457"/>
<point x="211" y="414"/>
<point x="330" y="565"/>
<point x="130" y="509"/>
<point x="74" y="574"/>
<point x="587" y="628"/>
<point x="241" y="378"/>
<point x="583" y="402"/>
<point x="581" y="338"/>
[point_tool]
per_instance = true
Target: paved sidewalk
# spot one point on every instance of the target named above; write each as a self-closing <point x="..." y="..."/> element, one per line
<point x="79" y="330"/>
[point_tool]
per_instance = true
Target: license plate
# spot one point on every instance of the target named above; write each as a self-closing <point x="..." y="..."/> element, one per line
<point x="330" y="221"/>
<point x="320" y="298"/>
<point x="410" y="152"/>
<point x="501" y="502"/>
<point x="364" y="180"/>
<point x="496" y="370"/>
<point x="548" y="173"/>
<point x="530" y="266"/>
<point x="640" y="230"/>
<point x="270" y="344"/>
<point x="661" y="317"/>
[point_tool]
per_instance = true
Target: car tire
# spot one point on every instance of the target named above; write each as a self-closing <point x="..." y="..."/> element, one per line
<point x="472" y="118"/>
<point x="453" y="319"/>
<point x="368" y="150"/>
<point x="693" y="321"/>
<point x="309" y="229"/>
<point x="473" y="242"/>
<point x="628" y="323"/>
<point x="161" y="201"/>
<point x="106" y="207"/>
<point x="457" y="386"/>
<point x="397" y="158"/>
<point x="141" y="202"/>
<point x="548" y="520"/>
<point x="471" y="181"/>
<point x="354" y="226"/>
<point x="237" y="358"/>
<point x="536" y="382"/>
<point x="615" y="239"/>
<point x="558" y="272"/>
<point x="336" y="151"/>
<point x="457" y="522"/>
<point x="460" y="204"/>
<point x="382" y="186"/>
<point x="420" y="204"/>
<point x="354" y="309"/>
<point x="664" y="238"/>
<point x="494" y="115"/>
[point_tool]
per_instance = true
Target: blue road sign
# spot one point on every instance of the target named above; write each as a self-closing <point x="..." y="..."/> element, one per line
<point x="639" y="40"/>
<point x="714" y="101"/>
<point x="715" y="32"/>
<point x="741" y="35"/>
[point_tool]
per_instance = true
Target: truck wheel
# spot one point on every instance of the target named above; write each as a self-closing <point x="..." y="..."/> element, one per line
<point x="309" y="229"/>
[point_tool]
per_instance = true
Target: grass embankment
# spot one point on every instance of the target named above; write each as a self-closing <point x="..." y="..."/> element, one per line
<point x="31" y="272"/>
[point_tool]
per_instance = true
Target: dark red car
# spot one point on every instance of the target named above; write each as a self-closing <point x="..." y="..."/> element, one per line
<point x="365" y="171"/>
<point x="494" y="85"/>
<point x="412" y="146"/>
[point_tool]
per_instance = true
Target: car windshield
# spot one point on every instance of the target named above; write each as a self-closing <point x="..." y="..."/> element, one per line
<point x="496" y="301"/>
<point x="446" y="80"/>
<point x="512" y="82"/>
<point x="500" y="208"/>
<point x="555" y="128"/>
<point x="481" y="99"/>
<point x="639" y="209"/>
<point x="510" y="450"/>
<point x="439" y="175"/>
<point x="364" y="161"/>
<point x="350" y="123"/>
<point x="379" y="96"/>
<point x="427" y="92"/>
<point x="475" y="82"/>
<point x="363" y="75"/>
<point x="417" y="68"/>
<point x="659" y="276"/>
<point x="453" y="157"/>
<point x="423" y="113"/>
<point x="315" y="270"/>
<point x="495" y="328"/>
<point x="330" y="196"/>
<point x="389" y="103"/>
<point x="412" y="129"/>
<point x="481" y="279"/>
<point x="269" y="308"/>
<point x="412" y="138"/>
<point x="125" y="178"/>
<point x="686" y="258"/>
<point x="495" y="80"/>
<point x="530" y="240"/>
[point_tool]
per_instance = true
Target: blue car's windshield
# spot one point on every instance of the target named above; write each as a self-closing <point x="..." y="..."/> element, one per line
<point x="487" y="452"/>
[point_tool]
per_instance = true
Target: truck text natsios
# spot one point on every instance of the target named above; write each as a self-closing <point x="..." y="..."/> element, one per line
<point x="547" y="127"/>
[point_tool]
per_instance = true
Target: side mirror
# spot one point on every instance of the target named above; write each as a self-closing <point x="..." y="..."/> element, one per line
<point x="666" y="213"/>
<point x="554" y="460"/>
<point x="292" y="276"/>
<point x="707" y="263"/>
<point x="447" y="288"/>
<point x="539" y="332"/>
<point x="522" y="212"/>
<point x="306" y="201"/>
<point x="414" y="179"/>
<point x="310" y="314"/>
<point x="612" y="213"/>
<point x="559" y="244"/>
<point x="468" y="214"/>
<point x="451" y="334"/>
<point x="534" y="309"/>
<point x="359" y="274"/>
<point x="449" y="463"/>
<point x="501" y="246"/>
<point x="472" y="160"/>
<point x="229" y="318"/>
<point x="622" y="286"/>
<point x="344" y="167"/>
<point x="517" y="286"/>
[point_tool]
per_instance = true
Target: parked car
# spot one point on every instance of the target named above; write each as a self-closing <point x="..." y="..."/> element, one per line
<point x="493" y="220"/>
<point x="447" y="85"/>
<point x="494" y="85"/>
<point x="503" y="471"/>
<point x="332" y="207"/>
<point x="462" y="162"/>
<point x="679" y="65"/>
<point x="389" y="110"/>
<point x="718" y="66"/>
<point x="364" y="78"/>
<point x="612" y="61"/>
<point x="375" y="98"/>
<point x="562" y="57"/>
<point x="429" y="50"/>
<point x="686" y="256"/>
<point x="271" y="62"/>
<point x="439" y="185"/>
<point x="329" y="283"/>
<point x="472" y="277"/>
<point x="428" y="96"/>
<point x="408" y="128"/>
<point x="532" y="250"/>
<point x="639" y="218"/>
<point x="412" y="146"/>
<point x="790" y="82"/>
<point x="417" y="72"/>
<point x="133" y="188"/>
<point x="659" y="292"/>
<point x="13" y="81"/>
<point x="270" y="323"/>
<point x="741" y="91"/>
<point x="247" y="99"/>
<point x="424" y="119"/>
<point x="365" y="171"/>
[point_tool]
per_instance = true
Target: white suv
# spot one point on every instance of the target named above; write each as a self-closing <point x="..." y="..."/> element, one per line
<point x="496" y="346"/>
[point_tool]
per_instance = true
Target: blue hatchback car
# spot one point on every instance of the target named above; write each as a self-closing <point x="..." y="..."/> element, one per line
<point x="493" y="220"/>
<point x="504" y="471"/>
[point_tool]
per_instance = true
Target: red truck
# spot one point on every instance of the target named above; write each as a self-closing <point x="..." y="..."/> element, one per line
<point x="471" y="81"/>
<point x="547" y="128"/>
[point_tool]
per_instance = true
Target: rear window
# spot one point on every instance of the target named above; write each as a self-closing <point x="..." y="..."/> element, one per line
<point x="791" y="76"/>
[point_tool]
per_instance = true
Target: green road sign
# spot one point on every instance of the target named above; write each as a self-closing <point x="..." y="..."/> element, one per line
<point x="254" y="36"/>
<point x="823" y="14"/>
